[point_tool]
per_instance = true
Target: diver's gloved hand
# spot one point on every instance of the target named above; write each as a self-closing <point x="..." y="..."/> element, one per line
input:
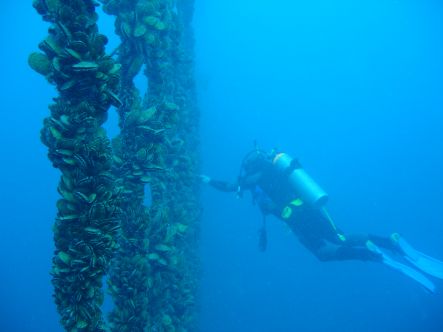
<point x="204" y="178"/>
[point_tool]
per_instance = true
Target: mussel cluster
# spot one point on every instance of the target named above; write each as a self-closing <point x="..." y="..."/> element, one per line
<point x="138" y="161"/>
<point x="175" y="190"/>
<point x="87" y="224"/>
<point x="103" y="223"/>
<point x="139" y="19"/>
<point x="74" y="58"/>
<point x="156" y="155"/>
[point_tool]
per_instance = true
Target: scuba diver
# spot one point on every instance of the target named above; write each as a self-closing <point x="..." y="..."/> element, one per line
<point x="282" y="188"/>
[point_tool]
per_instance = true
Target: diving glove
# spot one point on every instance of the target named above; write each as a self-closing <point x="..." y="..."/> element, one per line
<point x="204" y="178"/>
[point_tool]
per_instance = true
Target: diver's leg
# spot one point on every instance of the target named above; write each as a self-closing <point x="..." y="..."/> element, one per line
<point x="333" y="252"/>
<point x="355" y="250"/>
<point x="384" y="242"/>
<point x="355" y="240"/>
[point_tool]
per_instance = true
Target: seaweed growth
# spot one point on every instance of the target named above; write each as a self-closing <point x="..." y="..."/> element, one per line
<point x="87" y="223"/>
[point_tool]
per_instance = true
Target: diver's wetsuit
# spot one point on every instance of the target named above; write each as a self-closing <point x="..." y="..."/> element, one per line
<point x="312" y="226"/>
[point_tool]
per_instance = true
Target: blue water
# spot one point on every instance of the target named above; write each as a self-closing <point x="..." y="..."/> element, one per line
<point x="352" y="88"/>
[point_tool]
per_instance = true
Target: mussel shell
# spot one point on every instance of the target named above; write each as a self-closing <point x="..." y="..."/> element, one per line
<point x="85" y="66"/>
<point x="139" y="30"/>
<point x="81" y="36"/>
<point x="56" y="64"/>
<point x="74" y="54"/>
<point x="100" y="40"/>
<point x="79" y="46"/>
<point x="40" y="63"/>
<point x="50" y="46"/>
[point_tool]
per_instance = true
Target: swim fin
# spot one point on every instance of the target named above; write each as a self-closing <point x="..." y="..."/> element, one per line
<point x="406" y="270"/>
<point x="425" y="263"/>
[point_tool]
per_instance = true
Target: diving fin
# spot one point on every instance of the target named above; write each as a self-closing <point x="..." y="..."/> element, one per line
<point x="406" y="270"/>
<point x="425" y="263"/>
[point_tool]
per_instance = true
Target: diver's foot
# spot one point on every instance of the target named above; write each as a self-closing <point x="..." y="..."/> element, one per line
<point x="376" y="254"/>
<point x="372" y="247"/>
<point x="396" y="246"/>
<point x="395" y="238"/>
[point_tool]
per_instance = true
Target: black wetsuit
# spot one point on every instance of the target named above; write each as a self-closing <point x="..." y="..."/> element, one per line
<point x="312" y="226"/>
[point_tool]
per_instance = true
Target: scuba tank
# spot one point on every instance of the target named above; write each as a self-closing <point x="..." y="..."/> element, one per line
<point x="303" y="185"/>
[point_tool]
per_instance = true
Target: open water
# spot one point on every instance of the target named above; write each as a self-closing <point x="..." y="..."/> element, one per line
<point x="352" y="88"/>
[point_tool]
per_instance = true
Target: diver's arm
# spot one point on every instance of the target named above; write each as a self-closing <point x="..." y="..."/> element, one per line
<point x="246" y="183"/>
<point x="223" y="185"/>
<point x="219" y="185"/>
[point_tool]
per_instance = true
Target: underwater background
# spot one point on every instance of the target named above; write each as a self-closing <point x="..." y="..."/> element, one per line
<point x="353" y="89"/>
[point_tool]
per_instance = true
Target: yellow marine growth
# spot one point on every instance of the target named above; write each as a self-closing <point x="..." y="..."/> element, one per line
<point x="87" y="223"/>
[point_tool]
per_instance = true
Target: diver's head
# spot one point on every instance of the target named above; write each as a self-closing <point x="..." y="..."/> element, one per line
<point x="255" y="161"/>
